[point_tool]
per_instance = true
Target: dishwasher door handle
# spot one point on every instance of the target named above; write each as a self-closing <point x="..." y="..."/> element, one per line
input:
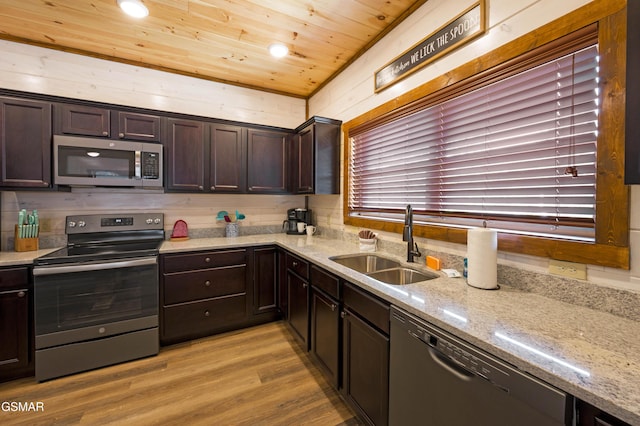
<point x="450" y="365"/>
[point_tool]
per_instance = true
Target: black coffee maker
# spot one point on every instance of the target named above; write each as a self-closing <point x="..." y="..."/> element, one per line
<point x="295" y="216"/>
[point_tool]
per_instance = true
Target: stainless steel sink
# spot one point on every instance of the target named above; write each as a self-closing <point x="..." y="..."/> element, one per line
<point x="402" y="276"/>
<point x="365" y="263"/>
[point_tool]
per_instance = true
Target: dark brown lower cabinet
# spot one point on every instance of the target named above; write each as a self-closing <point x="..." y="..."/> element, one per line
<point x="298" y="307"/>
<point x="265" y="284"/>
<point x="325" y="334"/>
<point x="588" y="415"/>
<point x="203" y="293"/>
<point x="16" y="335"/>
<point x="365" y="379"/>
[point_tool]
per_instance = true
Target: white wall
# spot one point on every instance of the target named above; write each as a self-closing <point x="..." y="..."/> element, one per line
<point x="352" y="94"/>
<point x="38" y="70"/>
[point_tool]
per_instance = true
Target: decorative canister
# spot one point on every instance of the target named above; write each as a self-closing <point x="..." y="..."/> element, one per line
<point x="231" y="229"/>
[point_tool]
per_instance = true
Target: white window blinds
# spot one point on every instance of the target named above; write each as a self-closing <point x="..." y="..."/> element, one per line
<point x="519" y="153"/>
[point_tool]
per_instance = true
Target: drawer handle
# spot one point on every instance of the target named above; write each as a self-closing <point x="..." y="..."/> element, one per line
<point x="207" y="313"/>
<point x="207" y="283"/>
<point x="207" y="259"/>
<point x="21" y="294"/>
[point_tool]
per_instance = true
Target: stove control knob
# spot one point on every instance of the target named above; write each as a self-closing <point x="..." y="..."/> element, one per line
<point x="156" y="220"/>
<point x="72" y="224"/>
<point x="149" y="221"/>
<point x="81" y="223"/>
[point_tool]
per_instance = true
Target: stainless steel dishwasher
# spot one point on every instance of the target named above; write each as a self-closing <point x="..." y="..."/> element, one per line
<point x="437" y="379"/>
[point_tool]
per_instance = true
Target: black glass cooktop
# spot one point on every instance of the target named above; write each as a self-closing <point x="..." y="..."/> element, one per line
<point x="98" y="252"/>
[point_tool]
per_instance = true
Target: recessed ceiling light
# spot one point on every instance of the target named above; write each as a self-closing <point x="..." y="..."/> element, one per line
<point x="133" y="8"/>
<point x="278" y="50"/>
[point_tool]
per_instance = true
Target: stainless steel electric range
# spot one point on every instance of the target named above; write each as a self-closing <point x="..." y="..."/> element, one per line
<point x="96" y="300"/>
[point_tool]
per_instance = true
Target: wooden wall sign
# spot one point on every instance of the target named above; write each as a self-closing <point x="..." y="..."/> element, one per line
<point x="465" y="27"/>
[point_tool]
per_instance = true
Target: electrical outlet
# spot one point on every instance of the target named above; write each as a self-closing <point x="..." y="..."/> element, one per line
<point x="568" y="269"/>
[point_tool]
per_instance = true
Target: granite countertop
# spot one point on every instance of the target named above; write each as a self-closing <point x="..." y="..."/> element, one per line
<point x="588" y="353"/>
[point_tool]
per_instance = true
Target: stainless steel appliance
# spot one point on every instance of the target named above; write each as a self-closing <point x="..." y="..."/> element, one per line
<point x="96" y="300"/>
<point x="294" y="216"/>
<point x="82" y="161"/>
<point x="437" y="379"/>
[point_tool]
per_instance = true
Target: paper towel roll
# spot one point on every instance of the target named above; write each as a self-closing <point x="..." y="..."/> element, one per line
<point x="482" y="258"/>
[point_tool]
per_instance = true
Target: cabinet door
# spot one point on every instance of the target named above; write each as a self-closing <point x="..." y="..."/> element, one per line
<point x="325" y="334"/>
<point x="303" y="167"/>
<point x="365" y="365"/>
<point x="266" y="161"/>
<point x="25" y="143"/>
<point x="16" y="325"/>
<point x="265" y="280"/>
<point x="298" y="307"/>
<point x="227" y="159"/>
<point x="185" y="155"/>
<point x="588" y="415"/>
<point x="138" y="127"/>
<point x="83" y="120"/>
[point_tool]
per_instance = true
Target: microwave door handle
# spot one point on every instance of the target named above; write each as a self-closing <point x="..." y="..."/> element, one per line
<point x="138" y="165"/>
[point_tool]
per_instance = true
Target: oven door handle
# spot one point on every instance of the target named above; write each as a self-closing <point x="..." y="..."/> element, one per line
<point x="66" y="269"/>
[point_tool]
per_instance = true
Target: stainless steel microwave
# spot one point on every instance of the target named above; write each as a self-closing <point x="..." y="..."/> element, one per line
<point x="82" y="161"/>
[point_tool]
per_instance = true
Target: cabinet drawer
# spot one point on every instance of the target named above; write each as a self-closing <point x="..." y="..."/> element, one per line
<point x="325" y="281"/>
<point x="204" y="284"/>
<point x="14" y="278"/>
<point x="194" y="319"/>
<point x="297" y="265"/>
<point x="367" y="306"/>
<point x="203" y="260"/>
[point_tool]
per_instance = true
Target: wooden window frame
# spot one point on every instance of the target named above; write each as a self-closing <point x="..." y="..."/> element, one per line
<point x="611" y="247"/>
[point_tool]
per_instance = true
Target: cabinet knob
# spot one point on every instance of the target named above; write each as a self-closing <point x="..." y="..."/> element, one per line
<point x="45" y="183"/>
<point x="207" y="313"/>
<point x="105" y="133"/>
<point x="343" y="314"/>
<point x="200" y="187"/>
<point x="295" y="264"/>
<point x="207" y="259"/>
<point x="21" y="294"/>
<point x="305" y="285"/>
<point x="333" y="307"/>
<point x="207" y="283"/>
<point x="121" y="135"/>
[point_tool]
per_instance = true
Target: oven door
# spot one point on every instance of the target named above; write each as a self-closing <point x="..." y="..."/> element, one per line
<point x="78" y="302"/>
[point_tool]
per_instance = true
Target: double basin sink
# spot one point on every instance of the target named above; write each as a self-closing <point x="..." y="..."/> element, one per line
<point x="383" y="269"/>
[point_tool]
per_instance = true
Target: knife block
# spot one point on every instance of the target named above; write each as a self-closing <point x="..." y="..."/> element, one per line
<point x="24" y="244"/>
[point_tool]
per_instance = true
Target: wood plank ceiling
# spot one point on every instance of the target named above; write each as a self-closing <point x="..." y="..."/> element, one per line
<point x="219" y="40"/>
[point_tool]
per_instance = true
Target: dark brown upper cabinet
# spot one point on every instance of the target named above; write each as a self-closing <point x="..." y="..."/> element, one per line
<point x="184" y="147"/>
<point x="227" y="165"/>
<point x="315" y="157"/>
<point x="632" y="99"/>
<point x="25" y="141"/>
<point x="84" y="120"/>
<point x="267" y="161"/>
<point x="137" y="127"/>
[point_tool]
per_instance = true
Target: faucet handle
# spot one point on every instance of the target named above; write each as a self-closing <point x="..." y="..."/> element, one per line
<point x="417" y="253"/>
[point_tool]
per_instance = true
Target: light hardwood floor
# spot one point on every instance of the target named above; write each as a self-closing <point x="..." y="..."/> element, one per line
<point x="256" y="376"/>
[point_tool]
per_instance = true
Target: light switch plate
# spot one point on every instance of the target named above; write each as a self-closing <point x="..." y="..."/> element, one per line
<point x="568" y="269"/>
